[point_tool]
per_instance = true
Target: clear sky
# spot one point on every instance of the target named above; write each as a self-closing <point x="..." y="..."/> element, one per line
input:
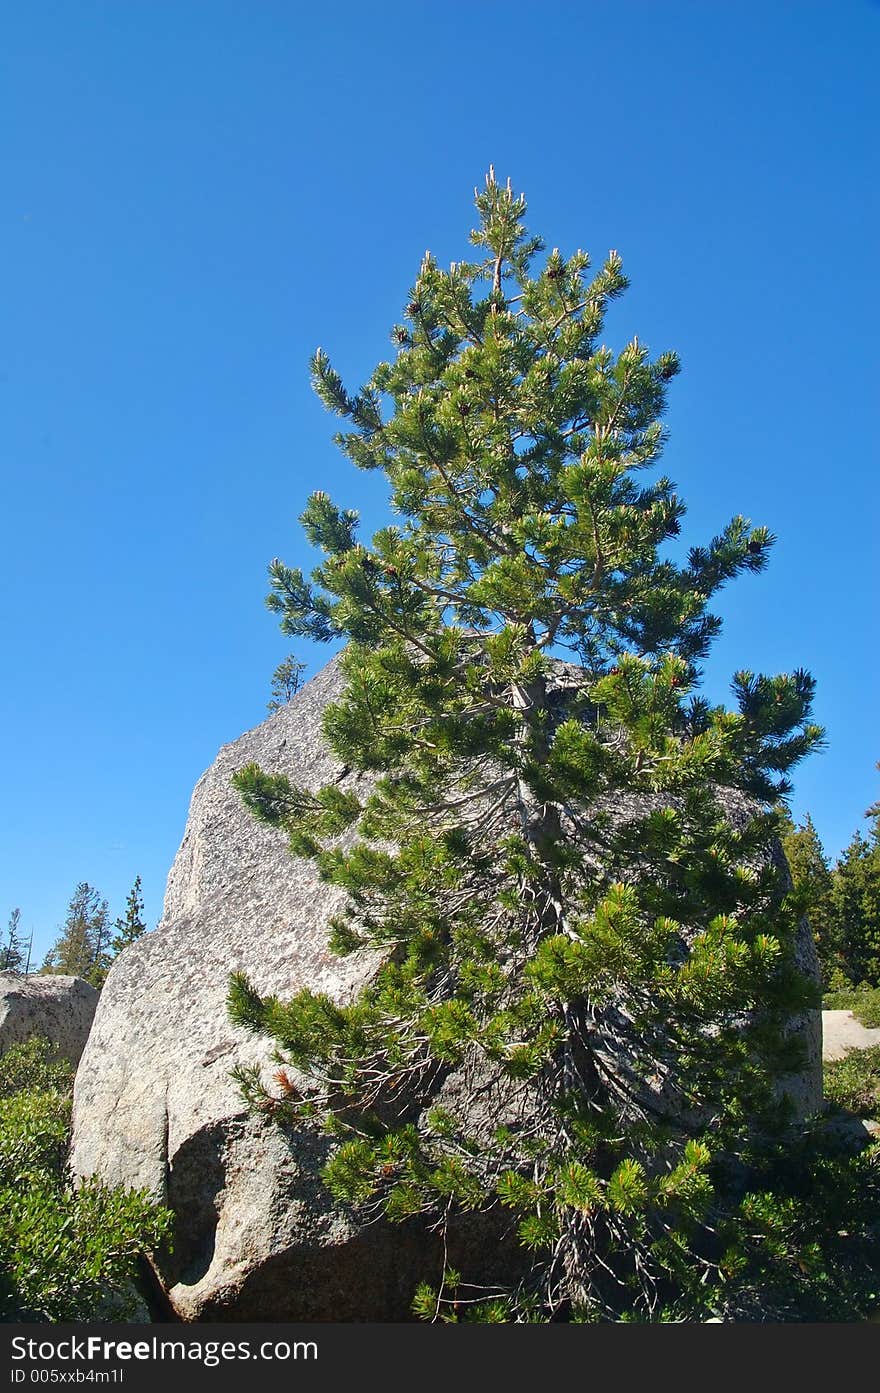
<point x="196" y="194"/>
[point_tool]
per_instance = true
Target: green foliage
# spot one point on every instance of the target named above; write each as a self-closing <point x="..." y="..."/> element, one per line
<point x="34" y="1065"/>
<point x="841" y="902"/>
<point x="855" y="898"/>
<point x="854" y="1082"/>
<point x="66" y="1254"/>
<point x="82" y="948"/>
<point x="71" y="1255"/>
<point x="85" y="947"/>
<point x="131" y="925"/>
<point x="805" y="1244"/>
<point x="812" y="879"/>
<point x="566" y="866"/>
<point x="286" y="682"/>
<point x="34" y="1127"/>
<point x="12" y="953"/>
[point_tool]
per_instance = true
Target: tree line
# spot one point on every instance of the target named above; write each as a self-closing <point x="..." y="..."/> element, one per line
<point x="88" y="942"/>
<point x="842" y="901"/>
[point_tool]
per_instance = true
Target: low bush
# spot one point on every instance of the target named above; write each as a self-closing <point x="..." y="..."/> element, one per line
<point x="67" y="1253"/>
<point x="33" y="1065"/>
<point x="853" y="1082"/>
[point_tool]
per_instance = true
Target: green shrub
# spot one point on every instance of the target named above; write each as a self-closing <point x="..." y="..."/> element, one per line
<point x="805" y="1244"/>
<point x="34" y="1135"/>
<point x="66" y="1253"/>
<point x="71" y="1254"/>
<point x="33" y="1065"/>
<point x="854" y="1082"/>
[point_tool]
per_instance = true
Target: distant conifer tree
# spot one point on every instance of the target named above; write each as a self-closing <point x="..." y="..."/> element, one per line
<point x="81" y="950"/>
<point x="12" y="954"/>
<point x="286" y="682"/>
<point x="855" y="900"/>
<point x="129" y="926"/>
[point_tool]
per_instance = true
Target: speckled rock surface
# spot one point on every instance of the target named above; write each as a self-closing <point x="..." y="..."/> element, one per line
<point x="258" y="1236"/>
<point x="57" y="1007"/>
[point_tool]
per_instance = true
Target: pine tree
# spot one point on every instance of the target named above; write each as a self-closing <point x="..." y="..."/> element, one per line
<point x="811" y="874"/>
<point x="855" y="902"/>
<point x="129" y="926"/>
<point x="286" y="682"/>
<point x="81" y="950"/>
<point x="12" y="956"/>
<point x="560" y="848"/>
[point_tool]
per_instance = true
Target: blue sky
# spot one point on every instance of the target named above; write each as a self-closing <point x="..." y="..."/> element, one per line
<point x="196" y="194"/>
